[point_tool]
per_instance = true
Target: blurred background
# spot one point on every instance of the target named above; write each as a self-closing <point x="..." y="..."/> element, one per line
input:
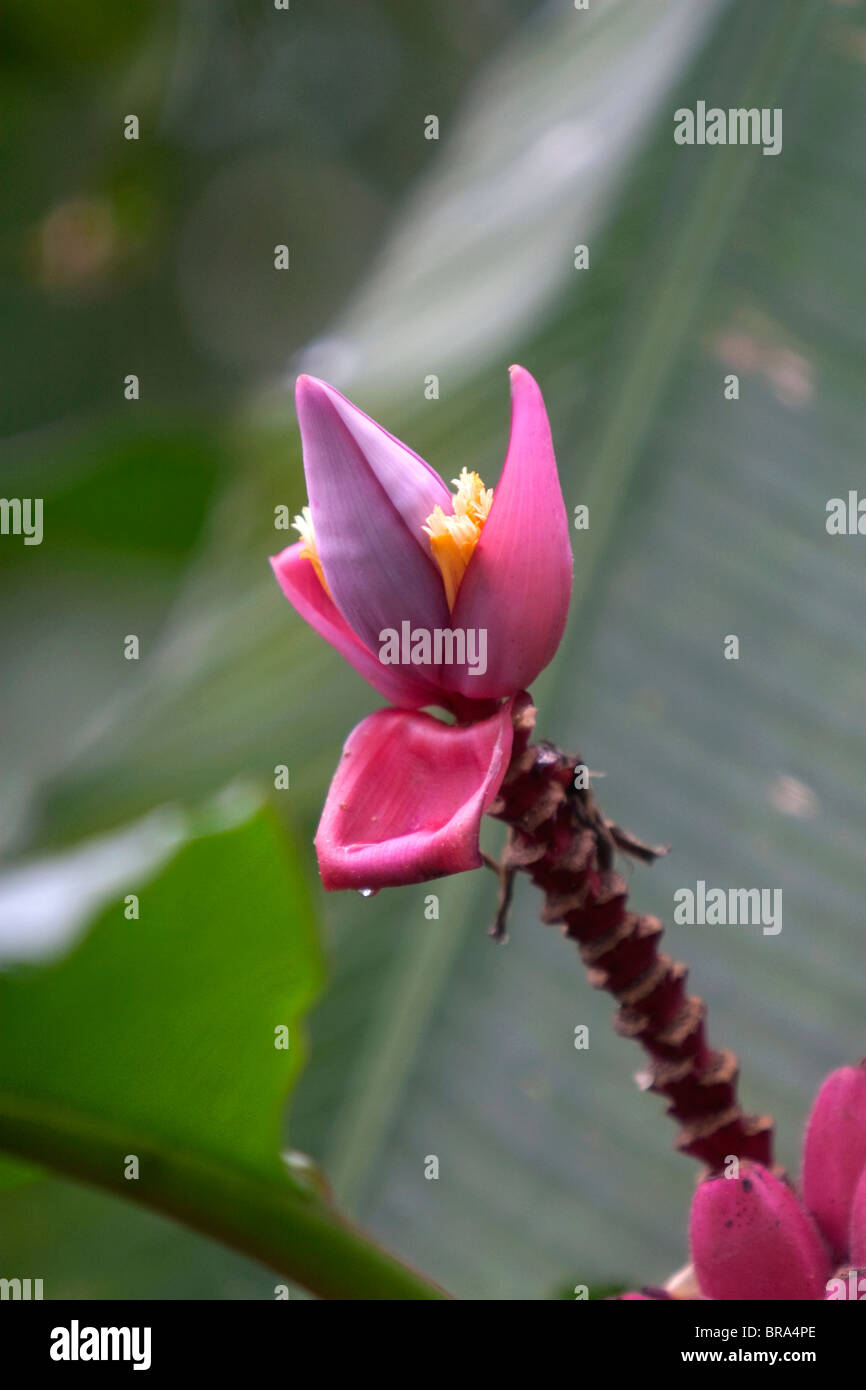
<point x="454" y="257"/>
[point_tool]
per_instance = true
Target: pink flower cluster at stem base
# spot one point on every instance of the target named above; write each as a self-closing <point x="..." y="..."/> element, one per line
<point x="752" y="1237"/>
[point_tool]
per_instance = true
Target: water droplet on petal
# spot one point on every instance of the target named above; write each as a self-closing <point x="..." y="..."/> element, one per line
<point x="368" y="892"/>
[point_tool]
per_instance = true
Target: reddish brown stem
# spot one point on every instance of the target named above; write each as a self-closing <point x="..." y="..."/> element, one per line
<point x="559" y="838"/>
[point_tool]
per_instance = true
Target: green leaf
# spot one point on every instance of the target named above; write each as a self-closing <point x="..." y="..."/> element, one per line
<point x="156" y="1058"/>
<point x="16" y="1174"/>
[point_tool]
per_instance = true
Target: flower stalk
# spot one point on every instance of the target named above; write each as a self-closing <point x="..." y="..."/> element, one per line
<point x="559" y="838"/>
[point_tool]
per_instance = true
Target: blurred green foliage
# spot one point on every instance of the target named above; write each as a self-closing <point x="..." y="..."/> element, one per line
<point x="707" y="517"/>
<point x="174" y="1038"/>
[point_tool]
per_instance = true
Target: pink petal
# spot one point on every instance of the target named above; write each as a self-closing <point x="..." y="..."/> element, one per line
<point x="834" y="1154"/>
<point x="518" y="583"/>
<point x="300" y="584"/>
<point x="857" y="1225"/>
<point x="369" y="497"/>
<point x="407" y="799"/>
<point x="752" y="1240"/>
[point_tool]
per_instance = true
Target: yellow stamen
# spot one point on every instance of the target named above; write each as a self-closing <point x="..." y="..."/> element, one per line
<point x="303" y="524"/>
<point x="454" y="538"/>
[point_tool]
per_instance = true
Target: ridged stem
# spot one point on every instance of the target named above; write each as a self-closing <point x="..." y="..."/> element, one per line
<point x="560" y="839"/>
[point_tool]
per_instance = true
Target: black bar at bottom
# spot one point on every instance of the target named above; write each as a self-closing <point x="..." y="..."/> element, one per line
<point x="159" y="1338"/>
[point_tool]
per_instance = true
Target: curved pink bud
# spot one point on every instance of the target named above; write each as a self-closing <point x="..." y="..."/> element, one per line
<point x="518" y="582"/>
<point x="834" y="1154"/>
<point x="407" y="799"/>
<point x="300" y="584"/>
<point x="857" y="1226"/>
<point x="369" y="498"/>
<point x="751" y="1239"/>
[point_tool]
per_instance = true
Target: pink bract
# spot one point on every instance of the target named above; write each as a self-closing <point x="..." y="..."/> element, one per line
<point x="408" y="796"/>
